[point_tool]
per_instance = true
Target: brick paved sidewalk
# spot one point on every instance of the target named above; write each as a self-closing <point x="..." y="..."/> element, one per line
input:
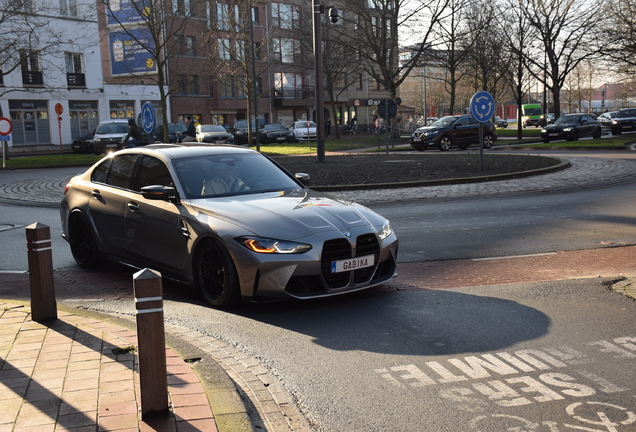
<point x="80" y="374"/>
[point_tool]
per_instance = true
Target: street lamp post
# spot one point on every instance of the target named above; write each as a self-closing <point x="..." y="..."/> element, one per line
<point x="320" y="127"/>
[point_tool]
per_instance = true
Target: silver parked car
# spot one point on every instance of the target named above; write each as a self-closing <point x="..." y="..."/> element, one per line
<point x="227" y="220"/>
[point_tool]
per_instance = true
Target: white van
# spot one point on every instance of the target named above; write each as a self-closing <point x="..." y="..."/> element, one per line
<point x="110" y="135"/>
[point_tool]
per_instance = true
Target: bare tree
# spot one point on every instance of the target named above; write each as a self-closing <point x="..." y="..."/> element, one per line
<point x="517" y="35"/>
<point x="238" y="57"/>
<point x="158" y="28"/>
<point x="568" y="33"/>
<point x="620" y="34"/>
<point x="32" y="42"/>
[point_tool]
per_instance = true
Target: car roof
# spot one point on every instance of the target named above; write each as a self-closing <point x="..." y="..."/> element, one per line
<point x="186" y="150"/>
<point x="114" y="121"/>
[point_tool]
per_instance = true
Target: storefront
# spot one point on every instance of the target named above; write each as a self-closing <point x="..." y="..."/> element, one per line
<point x="122" y="109"/>
<point x="83" y="116"/>
<point x="30" y="122"/>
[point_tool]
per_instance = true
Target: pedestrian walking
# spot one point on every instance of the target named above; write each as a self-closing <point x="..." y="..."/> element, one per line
<point x="190" y="134"/>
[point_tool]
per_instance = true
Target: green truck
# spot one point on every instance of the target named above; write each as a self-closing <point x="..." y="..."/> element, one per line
<point x="531" y="115"/>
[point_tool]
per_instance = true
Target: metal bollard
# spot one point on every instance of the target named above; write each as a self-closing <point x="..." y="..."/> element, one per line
<point x="153" y="375"/>
<point x="40" y="256"/>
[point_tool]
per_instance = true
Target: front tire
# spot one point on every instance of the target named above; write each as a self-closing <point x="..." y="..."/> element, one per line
<point x="489" y="140"/>
<point x="215" y="274"/>
<point x="82" y="241"/>
<point x="445" y="143"/>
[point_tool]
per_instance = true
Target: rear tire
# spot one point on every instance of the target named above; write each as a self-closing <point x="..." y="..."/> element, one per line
<point x="215" y="274"/>
<point x="489" y="140"/>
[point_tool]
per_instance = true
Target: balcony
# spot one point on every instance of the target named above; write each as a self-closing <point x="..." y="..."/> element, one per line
<point x="32" y="79"/>
<point x="291" y="96"/>
<point x="76" y="80"/>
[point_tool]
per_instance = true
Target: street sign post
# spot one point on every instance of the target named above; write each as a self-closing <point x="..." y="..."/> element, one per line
<point x="148" y="120"/>
<point x="482" y="108"/>
<point x="59" y="109"/>
<point x="5" y="129"/>
<point x="387" y="109"/>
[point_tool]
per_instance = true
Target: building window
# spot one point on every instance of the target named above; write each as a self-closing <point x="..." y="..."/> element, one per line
<point x="191" y="49"/>
<point x="241" y="50"/>
<point x="182" y="7"/>
<point x="211" y="86"/>
<point x="257" y="50"/>
<point x="222" y="16"/>
<point x="340" y="80"/>
<point x="285" y="16"/>
<point x="286" y="50"/>
<point x="241" y="85"/>
<point x="359" y="81"/>
<point x="227" y="87"/>
<point x="68" y="7"/>
<point x="74" y="74"/>
<point x="30" y="65"/>
<point x="224" y="49"/>
<point x="193" y="84"/>
<point x="259" y="86"/>
<point x="255" y="15"/>
<point x="182" y="85"/>
<point x="288" y="85"/>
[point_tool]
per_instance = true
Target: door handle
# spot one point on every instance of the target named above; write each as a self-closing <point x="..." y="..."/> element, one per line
<point x="133" y="206"/>
<point x="96" y="193"/>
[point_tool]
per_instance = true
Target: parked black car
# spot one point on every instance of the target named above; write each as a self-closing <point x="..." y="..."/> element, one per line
<point x="174" y="132"/>
<point x="461" y="131"/>
<point x="240" y="131"/>
<point x="572" y="127"/>
<point x="625" y="121"/>
<point x="606" y="118"/>
<point x="275" y="132"/>
<point x="83" y="143"/>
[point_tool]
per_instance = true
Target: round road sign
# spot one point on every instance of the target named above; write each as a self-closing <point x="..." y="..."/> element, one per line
<point x="482" y="106"/>
<point x="148" y="117"/>
<point x="59" y="109"/>
<point x="5" y="126"/>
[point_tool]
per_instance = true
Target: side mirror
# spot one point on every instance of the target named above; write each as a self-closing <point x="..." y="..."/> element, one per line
<point x="159" y="193"/>
<point x="303" y="177"/>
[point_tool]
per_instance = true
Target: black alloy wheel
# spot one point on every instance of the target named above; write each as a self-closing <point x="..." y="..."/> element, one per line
<point x="489" y="140"/>
<point x="82" y="241"/>
<point x="215" y="274"/>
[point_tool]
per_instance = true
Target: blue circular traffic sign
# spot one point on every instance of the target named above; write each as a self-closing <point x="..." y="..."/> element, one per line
<point x="482" y="106"/>
<point x="148" y="118"/>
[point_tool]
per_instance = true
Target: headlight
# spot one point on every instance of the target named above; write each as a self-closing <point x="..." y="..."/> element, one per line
<point x="385" y="231"/>
<point x="431" y="133"/>
<point x="614" y="121"/>
<point x="273" y="246"/>
<point x="543" y="130"/>
<point x="567" y="129"/>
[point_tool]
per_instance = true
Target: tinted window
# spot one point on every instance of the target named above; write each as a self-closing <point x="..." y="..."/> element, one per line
<point x="152" y="171"/>
<point x="121" y="170"/>
<point x="100" y="174"/>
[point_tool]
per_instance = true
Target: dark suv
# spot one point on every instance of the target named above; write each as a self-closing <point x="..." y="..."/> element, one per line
<point x="625" y="121"/>
<point x="461" y="131"/>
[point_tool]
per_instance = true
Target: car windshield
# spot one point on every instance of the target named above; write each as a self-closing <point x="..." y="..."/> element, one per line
<point x="304" y="124"/>
<point x="112" y="128"/>
<point x="532" y="111"/>
<point x="177" y="127"/>
<point x="445" y="121"/>
<point x="212" y="128"/>
<point x="626" y="113"/>
<point x="575" y="119"/>
<point x="231" y="174"/>
<point x="242" y="124"/>
<point x="274" y="127"/>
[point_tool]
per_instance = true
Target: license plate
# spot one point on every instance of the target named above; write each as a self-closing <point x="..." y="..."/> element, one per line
<point x="554" y="134"/>
<point x="352" y="264"/>
<point x="111" y="145"/>
<point x="281" y="138"/>
<point x="627" y="126"/>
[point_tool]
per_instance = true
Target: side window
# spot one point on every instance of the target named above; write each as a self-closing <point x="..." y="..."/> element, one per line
<point x="121" y="171"/>
<point x="152" y="171"/>
<point x="100" y="174"/>
<point x="462" y="121"/>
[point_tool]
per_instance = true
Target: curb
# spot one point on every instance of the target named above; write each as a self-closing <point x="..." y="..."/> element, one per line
<point x="563" y="164"/>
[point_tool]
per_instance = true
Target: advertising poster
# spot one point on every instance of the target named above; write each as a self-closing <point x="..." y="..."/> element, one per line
<point x="125" y="12"/>
<point x="129" y="52"/>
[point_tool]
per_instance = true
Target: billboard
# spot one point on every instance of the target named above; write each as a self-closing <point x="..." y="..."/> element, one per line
<point x="129" y="52"/>
<point x="125" y="12"/>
